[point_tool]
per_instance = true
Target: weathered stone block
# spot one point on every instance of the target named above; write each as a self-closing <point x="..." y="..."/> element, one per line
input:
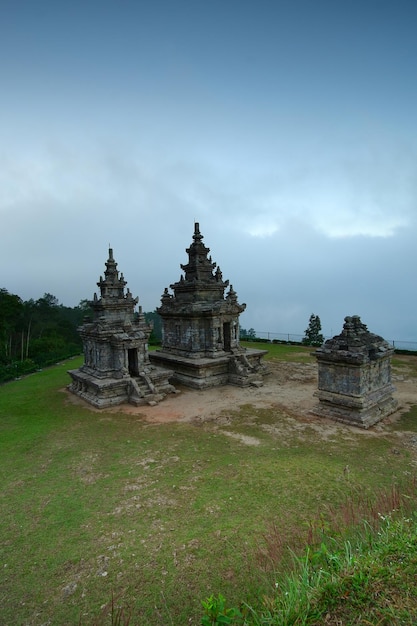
<point x="354" y="376"/>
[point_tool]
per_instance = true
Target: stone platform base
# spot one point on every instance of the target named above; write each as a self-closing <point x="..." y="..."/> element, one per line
<point x="356" y="411"/>
<point x="240" y="368"/>
<point x="150" y="387"/>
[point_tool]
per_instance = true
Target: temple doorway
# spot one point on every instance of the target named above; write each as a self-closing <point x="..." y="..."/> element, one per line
<point x="226" y="337"/>
<point x="132" y="355"/>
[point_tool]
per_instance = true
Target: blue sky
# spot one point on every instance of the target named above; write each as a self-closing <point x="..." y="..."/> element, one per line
<point x="287" y="129"/>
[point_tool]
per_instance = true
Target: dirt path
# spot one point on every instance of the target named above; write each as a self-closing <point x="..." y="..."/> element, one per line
<point x="289" y="387"/>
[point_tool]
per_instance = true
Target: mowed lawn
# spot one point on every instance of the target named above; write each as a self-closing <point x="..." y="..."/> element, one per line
<point x="101" y="504"/>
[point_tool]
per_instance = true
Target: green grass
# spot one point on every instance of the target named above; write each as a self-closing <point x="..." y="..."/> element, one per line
<point x="368" y="578"/>
<point x="283" y="352"/>
<point x="96" y="503"/>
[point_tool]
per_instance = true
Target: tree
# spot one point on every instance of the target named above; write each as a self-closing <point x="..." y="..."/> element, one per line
<point x="11" y="308"/>
<point x="313" y="336"/>
<point x="155" y="319"/>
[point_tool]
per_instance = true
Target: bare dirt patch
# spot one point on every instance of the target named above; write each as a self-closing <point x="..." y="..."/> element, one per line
<point x="288" y="387"/>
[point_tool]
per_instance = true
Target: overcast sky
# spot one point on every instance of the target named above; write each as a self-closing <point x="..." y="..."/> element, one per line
<point x="287" y="129"/>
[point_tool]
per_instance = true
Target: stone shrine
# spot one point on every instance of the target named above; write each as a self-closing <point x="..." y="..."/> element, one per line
<point x="116" y="365"/>
<point x="354" y="376"/>
<point x="200" y="338"/>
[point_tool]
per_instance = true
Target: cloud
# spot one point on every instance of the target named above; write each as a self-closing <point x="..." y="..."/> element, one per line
<point x="306" y="241"/>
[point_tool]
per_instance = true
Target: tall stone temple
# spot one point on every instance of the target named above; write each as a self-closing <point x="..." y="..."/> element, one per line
<point x="200" y="338"/>
<point x="116" y="365"/>
<point x="354" y="376"/>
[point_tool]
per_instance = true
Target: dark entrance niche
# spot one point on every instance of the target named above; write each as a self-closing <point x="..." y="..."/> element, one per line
<point x="226" y="336"/>
<point x="132" y="355"/>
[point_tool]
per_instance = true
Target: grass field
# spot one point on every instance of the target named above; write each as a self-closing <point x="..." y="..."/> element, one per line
<point x="101" y="503"/>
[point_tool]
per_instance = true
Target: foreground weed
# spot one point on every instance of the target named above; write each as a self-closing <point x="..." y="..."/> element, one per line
<point x="293" y="602"/>
<point x="338" y="581"/>
<point x="117" y="616"/>
<point x="217" y="613"/>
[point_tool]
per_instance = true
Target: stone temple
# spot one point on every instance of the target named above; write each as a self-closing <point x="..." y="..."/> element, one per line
<point x="116" y="365"/>
<point x="200" y="340"/>
<point x="354" y="376"/>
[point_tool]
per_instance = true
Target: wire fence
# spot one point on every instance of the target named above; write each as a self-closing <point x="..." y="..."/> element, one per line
<point x="294" y="338"/>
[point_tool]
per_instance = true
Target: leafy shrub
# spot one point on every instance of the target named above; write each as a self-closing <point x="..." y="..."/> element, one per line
<point x="216" y="612"/>
<point x="16" y="369"/>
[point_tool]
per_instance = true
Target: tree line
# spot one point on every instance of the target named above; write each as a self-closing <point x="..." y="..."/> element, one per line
<point x="36" y="333"/>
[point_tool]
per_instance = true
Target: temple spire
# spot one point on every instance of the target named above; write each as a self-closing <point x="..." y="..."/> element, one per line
<point x="112" y="287"/>
<point x="197" y="235"/>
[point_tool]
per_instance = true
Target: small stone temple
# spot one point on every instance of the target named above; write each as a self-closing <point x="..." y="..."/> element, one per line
<point x="354" y="376"/>
<point x="116" y="366"/>
<point x="200" y="339"/>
